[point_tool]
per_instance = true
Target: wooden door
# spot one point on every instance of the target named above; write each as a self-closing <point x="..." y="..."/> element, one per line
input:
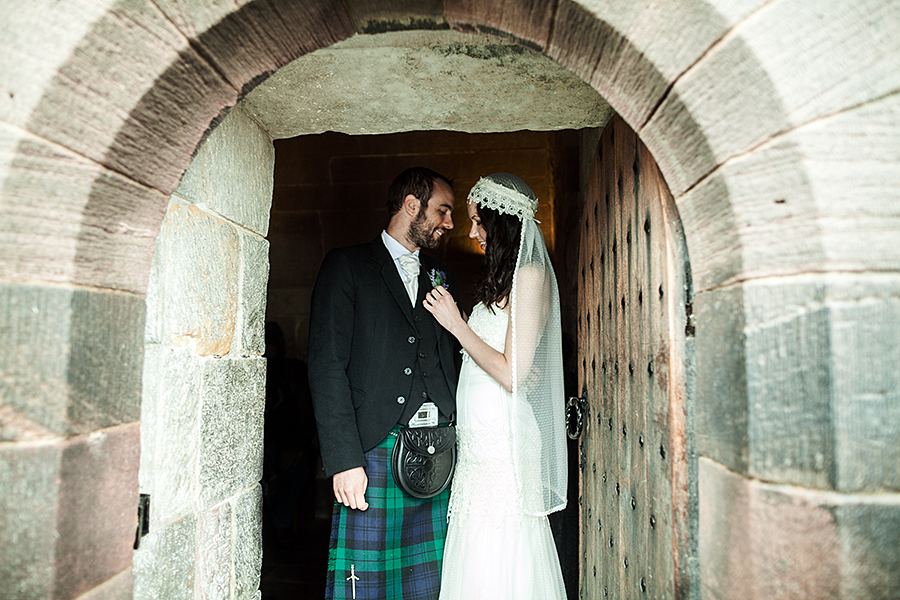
<point x="637" y="458"/>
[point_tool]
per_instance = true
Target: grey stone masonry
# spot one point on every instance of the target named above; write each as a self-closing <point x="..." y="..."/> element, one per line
<point x="204" y="375"/>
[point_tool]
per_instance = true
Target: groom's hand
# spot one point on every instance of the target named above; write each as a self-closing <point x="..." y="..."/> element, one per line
<point x="350" y="488"/>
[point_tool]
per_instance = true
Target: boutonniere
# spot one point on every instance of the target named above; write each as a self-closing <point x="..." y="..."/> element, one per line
<point x="438" y="278"/>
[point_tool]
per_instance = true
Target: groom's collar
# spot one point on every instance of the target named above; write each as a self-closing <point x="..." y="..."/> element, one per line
<point x="394" y="248"/>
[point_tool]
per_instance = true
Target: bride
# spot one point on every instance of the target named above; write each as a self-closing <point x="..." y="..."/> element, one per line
<point x="511" y="470"/>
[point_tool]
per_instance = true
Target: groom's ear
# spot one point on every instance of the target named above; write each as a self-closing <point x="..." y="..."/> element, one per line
<point x="411" y="205"/>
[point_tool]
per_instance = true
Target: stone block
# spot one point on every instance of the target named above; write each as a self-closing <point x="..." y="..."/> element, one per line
<point x="214" y="579"/>
<point x="796" y="380"/>
<point x="97" y="509"/>
<point x="170" y="432"/>
<point x="529" y="23"/>
<point x="721" y="380"/>
<point x="231" y="173"/>
<point x="402" y="81"/>
<point x="826" y="57"/>
<point x="761" y="540"/>
<point x="164" y="563"/>
<point x="28" y="508"/>
<point x="783" y="66"/>
<point x="142" y="117"/>
<point x="201" y="274"/>
<point x="835" y="197"/>
<point x="70" y="359"/>
<point x="231" y="413"/>
<point x="251" y="315"/>
<point x="869" y="532"/>
<point x="630" y="52"/>
<point x="69" y="220"/>
<point x="120" y="587"/>
<point x="30" y="56"/>
<point x="865" y="381"/>
<point x="248" y="548"/>
<point x="248" y="40"/>
<point x="724" y="106"/>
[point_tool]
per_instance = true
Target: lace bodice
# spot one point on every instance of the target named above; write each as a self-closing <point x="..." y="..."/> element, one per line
<point x="490" y="327"/>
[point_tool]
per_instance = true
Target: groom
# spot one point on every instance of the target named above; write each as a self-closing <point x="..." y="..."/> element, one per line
<point x="376" y="359"/>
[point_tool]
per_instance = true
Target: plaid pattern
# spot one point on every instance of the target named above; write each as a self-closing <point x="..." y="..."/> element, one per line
<point x="395" y="547"/>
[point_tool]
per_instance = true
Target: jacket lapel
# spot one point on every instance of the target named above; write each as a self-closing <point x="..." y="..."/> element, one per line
<point x="391" y="277"/>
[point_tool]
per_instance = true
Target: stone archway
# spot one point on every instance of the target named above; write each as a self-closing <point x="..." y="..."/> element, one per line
<point x="772" y="123"/>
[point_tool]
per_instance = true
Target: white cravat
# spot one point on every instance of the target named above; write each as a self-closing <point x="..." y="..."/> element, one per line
<point x="410" y="265"/>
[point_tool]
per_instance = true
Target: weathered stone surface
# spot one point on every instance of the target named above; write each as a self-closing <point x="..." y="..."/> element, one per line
<point x="232" y="406"/>
<point x="761" y="540"/>
<point x="826" y="57"/>
<point x="214" y="579"/>
<point x="721" y="381"/>
<point x="836" y="198"/>
<point x="772" y="74"/>
<point x="201" y="267"/>
<point x="141" y="116"/>
<point x="795" y="380"/>
<point x="30" y="55"/>
<point x="630" y="52"/>
<point x="247" y="542"/>
<point x="28" y="505"/>
<point x="164" y="563"/>
<point x="529" y="22"/>
<point x="379" y="16"/>
<point x="232" y="173"/>
<point x="415" y="80"/>
<point x="67" y="219"/>
<point x="869" y="532"/>
<point x="70" y="359"/>
<point x="97" y="509"/>
<point x="251" y="319"/>
<point x="170" y="432"/>
<point x="723" y="106"/>
<point x="248" y="40"/>
<point x="120" y="587"/>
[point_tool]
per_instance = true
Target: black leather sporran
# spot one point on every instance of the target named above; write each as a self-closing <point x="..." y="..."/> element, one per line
<point x="423" y="459"/>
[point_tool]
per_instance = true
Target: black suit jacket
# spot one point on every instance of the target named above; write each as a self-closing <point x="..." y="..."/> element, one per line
<point x="361" y="327"/>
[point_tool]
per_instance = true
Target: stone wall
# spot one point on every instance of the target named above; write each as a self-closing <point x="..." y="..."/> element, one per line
<point x="204" y="376"/>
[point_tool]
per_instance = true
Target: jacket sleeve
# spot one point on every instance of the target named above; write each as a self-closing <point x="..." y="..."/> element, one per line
<point x="330" y="343"/>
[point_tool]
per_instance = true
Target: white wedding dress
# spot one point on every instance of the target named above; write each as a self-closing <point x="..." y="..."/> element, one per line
<point x="493" y="550"/>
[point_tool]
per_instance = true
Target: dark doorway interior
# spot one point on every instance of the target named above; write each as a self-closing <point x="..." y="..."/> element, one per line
<point x="330" y="191"/>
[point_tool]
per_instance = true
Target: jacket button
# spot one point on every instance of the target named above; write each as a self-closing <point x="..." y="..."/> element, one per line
<point x="401" y="400"/>
<point x="424" y="394"/>
<point x="416" y="318"/>
<point x="411" y="340"/>
<point x="407" y="371"/>
<point x="421" y="355"/>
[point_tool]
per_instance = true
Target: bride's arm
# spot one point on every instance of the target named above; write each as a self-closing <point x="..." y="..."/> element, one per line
<point x="498" y="365"/>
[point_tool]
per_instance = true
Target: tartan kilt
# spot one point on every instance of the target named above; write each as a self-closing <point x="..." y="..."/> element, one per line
<point x="394" y="547"/>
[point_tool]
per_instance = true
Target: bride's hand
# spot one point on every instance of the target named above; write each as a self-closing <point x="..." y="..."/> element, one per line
<point x="440" y="303"/>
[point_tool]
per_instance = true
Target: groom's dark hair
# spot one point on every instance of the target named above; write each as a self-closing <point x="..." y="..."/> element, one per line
<point x="417" y="181"/>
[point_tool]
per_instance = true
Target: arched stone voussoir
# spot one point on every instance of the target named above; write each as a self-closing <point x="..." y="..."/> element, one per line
<point x="380" y="16"/>
<point x="632" y="52"/>
<point x="773" y="73"/>
<point x="818" y="198"/>
<point x="67" y="219"/>
<point x="529" y="22"/>
<point x="248" y="40"/>
<point x="133" y="96"/>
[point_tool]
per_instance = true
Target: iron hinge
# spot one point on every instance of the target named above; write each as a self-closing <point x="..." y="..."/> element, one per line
<point x="143" y="525"/>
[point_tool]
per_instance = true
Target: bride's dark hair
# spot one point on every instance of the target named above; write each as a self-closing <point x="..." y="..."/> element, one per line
<point x="500" y="253"/>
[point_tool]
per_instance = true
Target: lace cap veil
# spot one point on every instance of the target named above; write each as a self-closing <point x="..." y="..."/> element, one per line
<point x="537" y="412"/>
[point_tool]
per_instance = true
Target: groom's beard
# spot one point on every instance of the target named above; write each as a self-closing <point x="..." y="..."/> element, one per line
<point x="421" y="234"/>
